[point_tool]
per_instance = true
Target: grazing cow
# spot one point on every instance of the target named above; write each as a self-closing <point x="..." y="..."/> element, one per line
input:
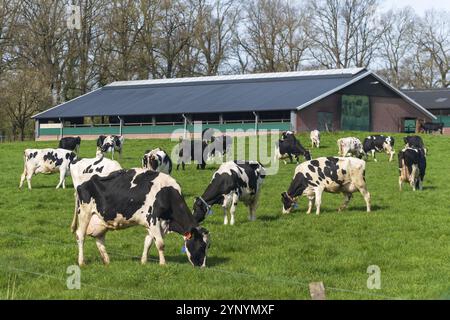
<point x="233" y="181"/>
<point x="378" y="143"/>
<point x="330" y="174"/>
<point x="132" y="197"/>
<point x="70" y="143"/>
<point x="315" y="138"/>
<point x="350" y="145"/>
<point x="46" y="161"/>
<point x="412" y="164"/>
<point x="219" y="146"/>
<point x="415" y="142"/>
<point x="288" y="146"/>
<point x="430" y="127"/>
<point x="191" y="150"/>
<point x="110" y="144"/>
<point x="157" y="160"/>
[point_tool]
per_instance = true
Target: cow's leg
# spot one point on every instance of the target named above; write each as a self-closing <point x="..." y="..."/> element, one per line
<point x="234" y="202"/>
<point x="160" y="246"/>
<point x="373" y="155"/>
<point x="22" y="178"/>
<point x="100" y="242"/>
<point x="252" y="209"/>
<point x="310" y="204"/>
<point x="400" y="182"/>
<point x="225" y="215"/>
<point x="147" y="244"/>
<point x="62" y="177"/>
<point x="84" y="218"/>
<point x="112" y="154"/>
<point x="347" y="198"/>
<point x="361" y="186"/>
<point x="318" y="194"/>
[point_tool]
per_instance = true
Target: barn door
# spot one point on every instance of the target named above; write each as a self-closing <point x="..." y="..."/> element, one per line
<point x="355" y="113"/>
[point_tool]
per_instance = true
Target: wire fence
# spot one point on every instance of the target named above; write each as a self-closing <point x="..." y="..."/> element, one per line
<point x="125" y="293"/>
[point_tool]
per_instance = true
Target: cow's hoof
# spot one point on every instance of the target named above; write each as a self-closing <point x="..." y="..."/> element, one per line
<point x="143" y="261"/>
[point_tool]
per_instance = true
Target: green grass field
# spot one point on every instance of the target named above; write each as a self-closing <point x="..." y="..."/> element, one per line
<point x="407" y="235"/>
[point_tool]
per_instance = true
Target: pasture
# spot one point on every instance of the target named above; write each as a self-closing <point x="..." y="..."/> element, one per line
<point x="407" y="235"/>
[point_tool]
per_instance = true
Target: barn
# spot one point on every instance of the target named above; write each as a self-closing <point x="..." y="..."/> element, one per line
<point x="328" y="100"/>
<point x="436" y="101"/>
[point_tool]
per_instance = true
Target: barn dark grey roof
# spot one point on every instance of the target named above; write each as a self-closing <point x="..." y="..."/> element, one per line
<point x="431" y="99"/>
<point x="255" y="92"/>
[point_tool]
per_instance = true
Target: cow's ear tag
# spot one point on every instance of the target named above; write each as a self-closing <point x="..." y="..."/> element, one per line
<point x="183" y="249"/>
<point x="295" y="205"/>
<point x="187" y="236"/>
<point x="210" y="212"/>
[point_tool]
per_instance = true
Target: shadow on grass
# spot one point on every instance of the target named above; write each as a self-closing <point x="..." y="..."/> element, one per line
<point x="180" y="259"/>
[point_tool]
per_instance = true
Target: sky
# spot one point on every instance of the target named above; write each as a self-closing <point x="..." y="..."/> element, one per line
<point x="420" y="6"/>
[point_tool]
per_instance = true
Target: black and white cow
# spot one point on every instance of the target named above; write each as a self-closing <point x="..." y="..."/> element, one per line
<point x="289" y="146"/>
<point x="233" y="181"/>
<point x="315" y="138"/>
<point x="157" y="160"/>
<point x="329" y="174"/>
<point x="219" y="146"/>
<point x="110" y="143"/>
<point x="70" y="143"/>
<point x="350" y="146"/>
<point x="133" y="197"/>
<point x="430" y="127"/>
<point x="412" y="164"/>
<point x="46" y="161"/>
<point x="415" y="142"/>
<point x="192" y="150"/>
<point x="379" y="143"/>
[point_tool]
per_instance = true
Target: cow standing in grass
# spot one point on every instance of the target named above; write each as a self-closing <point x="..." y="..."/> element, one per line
<point x="330" y="174"/>
<point x="415" y="142"/>
<point x="110" y="144"/>
<point x="234" y="181"/>
<point x="192" y="150"/>
<point x="46" y="161"/>
<point x="350" y="146"/>
<point x="412" y="164"/>
<point x="315" y="138"/>
<point x="289" y="146"/>
<point x="133" y="197"/>
<point x="70" y="143"/>
<point x="379" y="143"/>
<point x="157" y="160"/>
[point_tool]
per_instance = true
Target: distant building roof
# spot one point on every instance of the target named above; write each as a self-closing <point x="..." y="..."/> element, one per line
<point x="214" y="94"/>
<point x="431" y="99"/>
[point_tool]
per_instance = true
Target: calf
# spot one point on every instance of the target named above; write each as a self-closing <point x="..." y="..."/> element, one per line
<point x="430" y="127"/>
<point x="127" y="198"/>
<point x="378" y="143"/>
<point x="157" y="160"/>
<point x="288" y="146"/>
<point x="233" y="181"/>
<point x="192" y="150"/>
<point x="110" y="144"/>
<point x="350" y="146"/>
<point x="46" y="161"/>
<point x="70" y="143"/>
<point x="415" y="142"/>
<point x="331" y="174"/>
<point x="315" y="138"/>
<point x="412" y="164"/>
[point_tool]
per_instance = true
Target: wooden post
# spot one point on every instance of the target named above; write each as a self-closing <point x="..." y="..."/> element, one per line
<point x="317" y="291"/>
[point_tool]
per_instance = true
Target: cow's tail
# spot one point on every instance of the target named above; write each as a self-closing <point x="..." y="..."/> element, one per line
<point x="74" y="224"/>
<point x="340" y="147"/>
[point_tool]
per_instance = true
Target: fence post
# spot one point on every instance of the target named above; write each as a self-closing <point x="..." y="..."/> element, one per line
<point x="317" y="291"/>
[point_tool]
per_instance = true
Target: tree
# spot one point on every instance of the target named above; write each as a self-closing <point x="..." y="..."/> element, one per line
<point x="344" y="33"/>
<point x="23" y="96"/>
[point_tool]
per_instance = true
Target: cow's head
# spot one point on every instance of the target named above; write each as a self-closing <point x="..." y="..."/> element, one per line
<point x="196" y="243"/>
<point x="288" y="202"/>
<point x="200" y="209"/>
<point x="108" y="144"/>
